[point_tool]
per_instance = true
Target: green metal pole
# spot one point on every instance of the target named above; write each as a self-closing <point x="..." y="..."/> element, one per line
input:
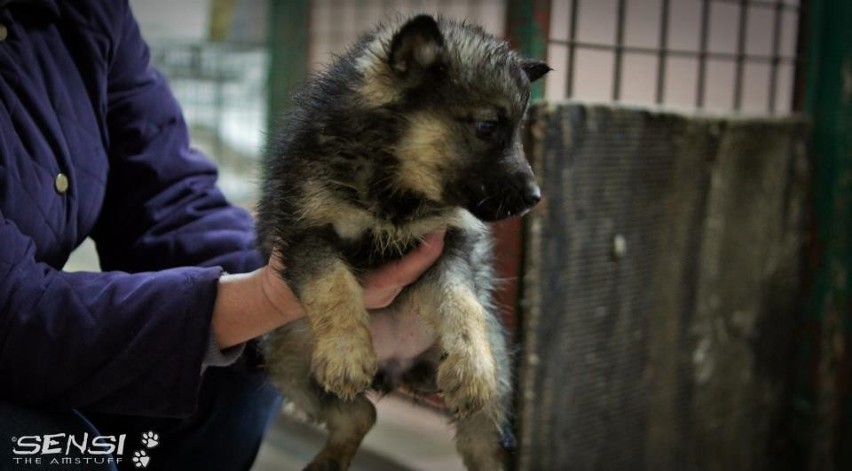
<point x="527" y="29"/>
<point x="288" y="38"/>
<point x="828" y="101"/>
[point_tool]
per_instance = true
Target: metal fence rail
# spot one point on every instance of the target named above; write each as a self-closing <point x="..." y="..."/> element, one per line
<point x="751" y="24"/>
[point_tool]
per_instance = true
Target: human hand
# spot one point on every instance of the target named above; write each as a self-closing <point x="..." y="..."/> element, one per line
<point x="249" y="305"/>
<point x="382" y="285"/>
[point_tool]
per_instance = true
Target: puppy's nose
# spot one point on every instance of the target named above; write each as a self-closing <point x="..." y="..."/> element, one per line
<point x="532" y="195"/>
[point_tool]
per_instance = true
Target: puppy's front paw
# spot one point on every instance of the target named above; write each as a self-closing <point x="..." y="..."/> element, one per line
<point x="345" y="366"/>
<point x="468" y="381"/>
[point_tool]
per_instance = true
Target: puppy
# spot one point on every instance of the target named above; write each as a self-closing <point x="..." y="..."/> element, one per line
<point x="416" y="128"/>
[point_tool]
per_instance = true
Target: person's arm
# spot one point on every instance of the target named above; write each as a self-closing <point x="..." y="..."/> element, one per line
<point x="253" y="304"/>
<point x="126" y="343"/>
<point x="114" y="341"/>
<point x="162" y="207"/>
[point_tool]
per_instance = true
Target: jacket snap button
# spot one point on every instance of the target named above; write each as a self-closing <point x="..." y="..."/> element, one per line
<point x="61" y="183"/>
<point x="4" y="32"/>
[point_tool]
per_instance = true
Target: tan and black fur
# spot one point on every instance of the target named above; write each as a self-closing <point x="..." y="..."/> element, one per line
<point x="416" y="128"/>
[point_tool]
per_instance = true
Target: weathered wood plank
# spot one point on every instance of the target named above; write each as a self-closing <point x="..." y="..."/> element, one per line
<point x="662" y="270"/>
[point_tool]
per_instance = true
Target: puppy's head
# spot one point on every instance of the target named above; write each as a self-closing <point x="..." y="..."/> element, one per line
<point x="460" y="96"/>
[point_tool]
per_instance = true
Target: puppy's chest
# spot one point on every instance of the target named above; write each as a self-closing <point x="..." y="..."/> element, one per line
<point x="368" y="241"/>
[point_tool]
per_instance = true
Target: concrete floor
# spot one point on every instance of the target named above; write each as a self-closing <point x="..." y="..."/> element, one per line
<point x="406" y="437"/>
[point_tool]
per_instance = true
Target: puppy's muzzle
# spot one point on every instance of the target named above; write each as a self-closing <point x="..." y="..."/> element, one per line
<point x="501" y="200"/>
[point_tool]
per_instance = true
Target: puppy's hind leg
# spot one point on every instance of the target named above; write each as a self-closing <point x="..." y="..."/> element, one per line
<point x="478" y="441"/>
<point x="347" y="422"/>
<point x="479" y="436"/>
<point x="288" y="355"/>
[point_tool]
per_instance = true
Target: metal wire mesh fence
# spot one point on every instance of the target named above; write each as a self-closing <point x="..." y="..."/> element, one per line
<point x="723" y="55"/>
<point x="726" y="55"/>
<point x="335" y="24"/>
<point x="715" y="54"/>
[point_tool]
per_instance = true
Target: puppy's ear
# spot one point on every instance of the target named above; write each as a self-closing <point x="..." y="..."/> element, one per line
<point x="535" y="69"/>
<point x="418" y="44"/>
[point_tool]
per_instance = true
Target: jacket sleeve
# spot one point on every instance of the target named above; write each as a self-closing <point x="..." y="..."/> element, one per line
<point x="131" y="339"/>
<point x="162" y="207"/>
<point x="125" y="343"/>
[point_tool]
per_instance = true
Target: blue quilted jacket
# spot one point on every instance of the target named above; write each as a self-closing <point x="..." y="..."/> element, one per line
<point x="92" y="143"/>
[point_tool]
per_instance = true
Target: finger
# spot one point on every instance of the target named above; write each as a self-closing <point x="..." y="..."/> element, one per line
<point x="434" y="239"/>
<point x="424" y="255"/>
<point x="408" y="269"/>
<point x="385" y="283"/>
<point x="276" y="261"/>
<point x="379" y="300"/>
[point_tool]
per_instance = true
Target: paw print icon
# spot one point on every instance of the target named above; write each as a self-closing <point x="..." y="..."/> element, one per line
<point x="141" y="459"/>
<point x="150" y="439"/>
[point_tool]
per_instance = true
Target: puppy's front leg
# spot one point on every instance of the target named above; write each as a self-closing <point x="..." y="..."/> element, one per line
<point x="343" y="360"/>
<point x="467" y="373"/>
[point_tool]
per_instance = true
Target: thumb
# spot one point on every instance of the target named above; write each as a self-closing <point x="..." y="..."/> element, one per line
<point x="383" y="284"/>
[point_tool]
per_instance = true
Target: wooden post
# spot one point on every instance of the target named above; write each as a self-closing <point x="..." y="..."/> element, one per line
<point x="824" y="389"/>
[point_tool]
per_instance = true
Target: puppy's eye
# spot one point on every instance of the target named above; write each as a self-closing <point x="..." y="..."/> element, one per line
<point x="485" y="129"/>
